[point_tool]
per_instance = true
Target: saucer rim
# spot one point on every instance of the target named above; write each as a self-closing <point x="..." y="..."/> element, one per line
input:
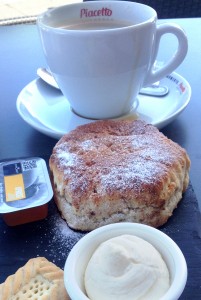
<point x="39" y="126"/>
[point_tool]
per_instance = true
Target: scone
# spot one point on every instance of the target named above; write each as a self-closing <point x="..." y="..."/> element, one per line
<point x="39" y="279"/>
<point x="114" y="171"/>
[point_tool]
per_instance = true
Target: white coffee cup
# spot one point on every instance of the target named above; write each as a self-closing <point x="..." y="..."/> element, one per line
<point x="102" y="52"/>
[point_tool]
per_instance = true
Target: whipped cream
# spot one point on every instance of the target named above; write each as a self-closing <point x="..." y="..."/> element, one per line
<point x="126" y="268"/>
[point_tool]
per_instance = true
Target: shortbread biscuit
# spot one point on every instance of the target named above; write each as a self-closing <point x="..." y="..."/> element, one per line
<point x="39" y="279"/>
<point x="114" y="171"/>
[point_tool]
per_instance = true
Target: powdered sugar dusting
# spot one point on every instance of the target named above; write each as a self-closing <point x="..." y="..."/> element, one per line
<point x="69" y="159"/>
<point x="133" y="177"/>
<point x="119" y="163"/>
<point x="87" y="145"/>
<point x="61" y="240"/>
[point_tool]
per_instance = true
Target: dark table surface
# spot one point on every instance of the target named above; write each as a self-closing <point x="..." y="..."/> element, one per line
<point x="20" y="55"/>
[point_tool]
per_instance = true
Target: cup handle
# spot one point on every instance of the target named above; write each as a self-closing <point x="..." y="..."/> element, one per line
<point x="157" y="74"/>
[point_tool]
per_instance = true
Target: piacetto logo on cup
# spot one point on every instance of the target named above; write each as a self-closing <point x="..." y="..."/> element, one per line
<point x="104" y="12"/>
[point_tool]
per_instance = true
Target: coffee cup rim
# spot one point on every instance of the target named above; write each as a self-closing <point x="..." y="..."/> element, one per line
<point x="42" y="22"/>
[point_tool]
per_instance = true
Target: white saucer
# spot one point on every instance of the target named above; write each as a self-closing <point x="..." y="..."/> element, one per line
<point x="46" y="109"/>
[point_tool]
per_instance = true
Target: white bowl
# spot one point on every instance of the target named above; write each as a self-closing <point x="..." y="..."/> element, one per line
<point x="79" y="256"/>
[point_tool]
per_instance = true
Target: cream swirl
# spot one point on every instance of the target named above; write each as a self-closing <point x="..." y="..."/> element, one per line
<point x="126" y="268"/>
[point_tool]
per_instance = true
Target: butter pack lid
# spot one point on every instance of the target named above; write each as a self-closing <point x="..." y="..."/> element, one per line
<point x="24" y="183"/>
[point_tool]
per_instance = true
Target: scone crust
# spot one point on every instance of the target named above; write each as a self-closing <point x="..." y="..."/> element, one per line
<point x="37" y="279"/>
<point x="113" y="171"/>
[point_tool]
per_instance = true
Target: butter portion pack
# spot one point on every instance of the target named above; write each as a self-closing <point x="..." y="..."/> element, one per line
<point x="25" y="190"/>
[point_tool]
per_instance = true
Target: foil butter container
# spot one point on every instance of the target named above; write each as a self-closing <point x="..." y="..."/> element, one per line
<point x="25" y="190"/>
